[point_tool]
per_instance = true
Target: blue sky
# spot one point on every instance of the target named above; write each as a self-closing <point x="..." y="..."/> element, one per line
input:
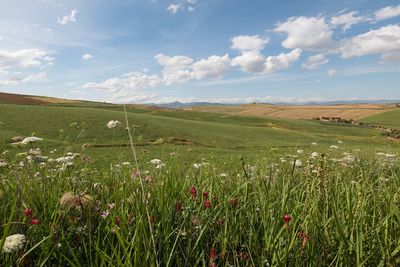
<point x="142" y="51"/>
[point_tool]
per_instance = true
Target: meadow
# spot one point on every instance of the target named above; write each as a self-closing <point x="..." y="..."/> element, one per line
<point x="188" y="188"/>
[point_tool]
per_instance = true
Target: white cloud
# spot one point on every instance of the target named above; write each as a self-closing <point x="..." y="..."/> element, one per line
<point x="391" y="56"/>
<point x="174" y="8"/>
<point x="315" y="61"/>
<point x="87" y="56"/>
<point x="24" y="58"/>
<point x="15" y="80"/>
<point x="307" y="33"/>
<point x="67" y="18"/>
<point x="380" y="41"/>
<point x="346" y="20"/>
<point x="176" y="68"/>
<point x="192" y="2"/>
<point x="387" y="12"/>
<point x="332" y="72"/>
<point x="282" y="61"/>
<point x="127" y="83"/>
<point x="250" y="61"/>
<point x="249" y="42"/>
<point x="191" y="9"/>
<point x="213" y="67"/>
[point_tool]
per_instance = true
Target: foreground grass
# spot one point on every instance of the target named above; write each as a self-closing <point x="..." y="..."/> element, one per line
<point x="280" y="209"/>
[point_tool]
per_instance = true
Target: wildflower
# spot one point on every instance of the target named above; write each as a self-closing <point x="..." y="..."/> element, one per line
<point x="31" y="139"/>
<point x="340" y="142"/>
<point x="205" y="194"/>
<point x="197" y="165"/>
<point x="286" y="218"/>
<point x="333" y="147"/>
<point x="111" y="205"/>
<point x="314" y="144"/>
<point x="213" y="255"/>
<point x="14" y="243"/>
<point x="300" y="151"/>
<point x="193" y="191"/>
<point x="304" y="239"/>
<point x="223" y="175"/>
<point x="28" y="212"/>
<point x="207" y="204"/>
<point x="314" y="154"/>
<point x="113" y="123"/>
<point x="233" y="202"/>
<point x="156" y="161"/>
<point x="298" y="163"/>
<point x="35" y="221"/>
<point x="105" y="214"/>
<point x="178" y="206"/>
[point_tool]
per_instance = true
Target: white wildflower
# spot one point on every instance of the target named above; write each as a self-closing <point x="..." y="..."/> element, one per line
<point x="340" y="142"/>
<point x="298" y="163"/>
<point x="300" y="151"/>
<point x="314" y="144"/>
<point x="126" y="163"/>
<point x="14" y="243"/>
<point x="156" y="161"/>
<point x="197" y="165"/>
<point x="112" y="124"/>
<point x="333" y="147"/>
<point x="223" y="175"/>
<point x="314" y="155"/>
<point x="31" y="139"/>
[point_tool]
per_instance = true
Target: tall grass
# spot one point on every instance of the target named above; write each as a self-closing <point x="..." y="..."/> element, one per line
<point x="279" y="210"/>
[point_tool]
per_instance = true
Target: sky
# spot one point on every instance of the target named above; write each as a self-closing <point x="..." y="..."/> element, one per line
<point x="228" y="51"/>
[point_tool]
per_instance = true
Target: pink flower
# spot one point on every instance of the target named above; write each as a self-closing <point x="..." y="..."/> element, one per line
<point x="207" y="204"/>
<point x="35" y="221"/>
<point x="286" y="218"/>
<point x="105" y="214"/>
<point x="205" y="194"/>
<point x="193" y="191"/>
<point x="28" y="212"/>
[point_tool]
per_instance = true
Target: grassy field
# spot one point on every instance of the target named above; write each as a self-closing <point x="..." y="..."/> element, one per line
<point x="388" y="119"/>
<point x="208" y="189"/>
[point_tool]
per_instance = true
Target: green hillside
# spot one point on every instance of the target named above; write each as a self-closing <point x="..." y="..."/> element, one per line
<point x="390" y="119"/>
<point x="163" y="131"/>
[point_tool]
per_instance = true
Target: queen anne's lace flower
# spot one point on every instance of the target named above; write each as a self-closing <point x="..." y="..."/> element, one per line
<point x="14" y="243"/>
<point x="31" y="139"/>
<point x="113" y="124"/>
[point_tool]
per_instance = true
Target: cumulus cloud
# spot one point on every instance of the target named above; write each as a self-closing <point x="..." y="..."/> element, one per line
<point x="315" y="61"/>
<point x="249" y="42"/>
<point x="24" y="58"/>
<point x="380" y="41"/>
<point x="87" y="56"/>
<point x="212" y="67"/>
<point x="346" y="20"/>
<point x="176" y="68"/>
<point x="174" y="8"/>
<point x="387" y="12"/>
<point x="307" y="33"/>
<point x="128" y="82"/>
<point x="251" y="60"/>
<point x="67" y="18"/>
<point x="282" y="61"/>
<point x="15" y="80"/>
